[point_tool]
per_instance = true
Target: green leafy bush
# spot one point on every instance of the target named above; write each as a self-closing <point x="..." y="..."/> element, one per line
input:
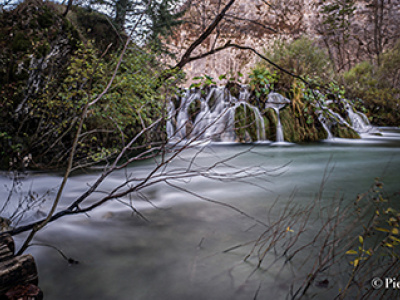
<point x="42" y="124"/>
<point x="377" y="88"/>
<point x="301" y="57"/>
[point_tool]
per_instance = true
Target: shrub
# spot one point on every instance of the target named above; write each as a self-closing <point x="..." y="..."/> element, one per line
<point x="389" y="70"/>
<point x="40" y="120"/>
<point x="302" y="57"/>
<point x="377" y="88"/>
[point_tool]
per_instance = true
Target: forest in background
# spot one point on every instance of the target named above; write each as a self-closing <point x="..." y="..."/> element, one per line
<point x="128" y="57"/>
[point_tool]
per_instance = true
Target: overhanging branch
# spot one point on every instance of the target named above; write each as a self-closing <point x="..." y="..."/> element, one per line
<point x="263" y="57"/>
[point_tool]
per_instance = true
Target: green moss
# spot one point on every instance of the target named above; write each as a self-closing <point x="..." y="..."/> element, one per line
<point x="321" y="132"/>
<point x="270" y="115"/>
<point x="245" y="124"/>
<point x="233" y="88"/>
<point x="267" y="125"/>
<point x="288" y="124"/>
<point x="343" y="131"/>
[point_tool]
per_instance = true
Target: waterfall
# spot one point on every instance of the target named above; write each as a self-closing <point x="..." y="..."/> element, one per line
<point x="171" y="114"/>
<point x="276" y="102"/>
<point x="260" y="124"/>
<point x="202" y="121"/>
<point x="359" y="121"/>
<point x="327" y="117"/>
<point x="182" y="119"/>
<point x="324" y="124"/>
<point x="279" y="131"/>
<point x="244" y="93"/>
<point x="215" y="120"/>
<point x="215" y="114"/>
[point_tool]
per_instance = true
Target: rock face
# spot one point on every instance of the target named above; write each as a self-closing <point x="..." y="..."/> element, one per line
<point x="258" y="23"/>
<point x="250" y="23"/>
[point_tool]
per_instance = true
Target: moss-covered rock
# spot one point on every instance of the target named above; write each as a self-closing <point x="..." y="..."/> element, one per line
<point x="342" y="131"/>
<point x="245" y="124"/>
<point x="294" y="126"/>
<point x="233" y="88"/>
<point x="272" y="120"/>
<point x="288" y="124"/>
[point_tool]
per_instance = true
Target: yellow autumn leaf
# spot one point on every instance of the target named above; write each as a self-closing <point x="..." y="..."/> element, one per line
<point x="394" y="238"/>
<point x="356" y="261"/>
<point x="289" y="230"/>
<point x="382" y="229"/>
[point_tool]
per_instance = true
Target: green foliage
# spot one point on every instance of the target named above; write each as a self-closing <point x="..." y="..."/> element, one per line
<point x="29" y="33"/>
<point x="46" y="19"/>
<point x="163" y="21"/>
<point x="301" y="57"/>
<point x="20" y="42"/>
<point x="389" y="70"/>
<point x="359" y="76"/>
<point x="203" y="82"/>
<point x="45" y="125"/>
<point x="377" y="87"/>
<point x="96" y="26"/>
<point x="133" y="101"/>
<point x="262" y="81"/>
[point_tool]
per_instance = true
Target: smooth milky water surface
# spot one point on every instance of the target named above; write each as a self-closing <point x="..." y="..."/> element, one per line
<point x="178" y="251"/>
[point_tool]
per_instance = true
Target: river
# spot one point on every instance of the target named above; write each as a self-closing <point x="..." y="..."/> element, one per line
<point x="179" y="250"/>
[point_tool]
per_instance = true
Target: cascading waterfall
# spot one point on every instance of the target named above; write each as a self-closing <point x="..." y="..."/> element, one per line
<point x="171" y="114"/>
<point x="276" y="102"/>
<point x="213" y="121"/>
<point x="359" y="121"/>
<point x="325" y="125"/>
<point x="279" y="131"/>
<point x="215" y="114"/>
<point x="183" y="114"/>
<point x="328" y="117"/>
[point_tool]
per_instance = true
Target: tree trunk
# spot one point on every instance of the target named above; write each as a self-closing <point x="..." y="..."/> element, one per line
<point x="69" y="5"/>
<point x="7" y="247"/>
<point x="17" y="270"/>
<point x="18" y="274"/>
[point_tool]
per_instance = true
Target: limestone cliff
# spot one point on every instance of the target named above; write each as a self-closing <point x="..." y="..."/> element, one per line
<point x="258" y="23"/>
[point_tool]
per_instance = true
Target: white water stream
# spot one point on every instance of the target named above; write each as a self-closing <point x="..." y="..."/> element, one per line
<point x="215" y="119"/>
